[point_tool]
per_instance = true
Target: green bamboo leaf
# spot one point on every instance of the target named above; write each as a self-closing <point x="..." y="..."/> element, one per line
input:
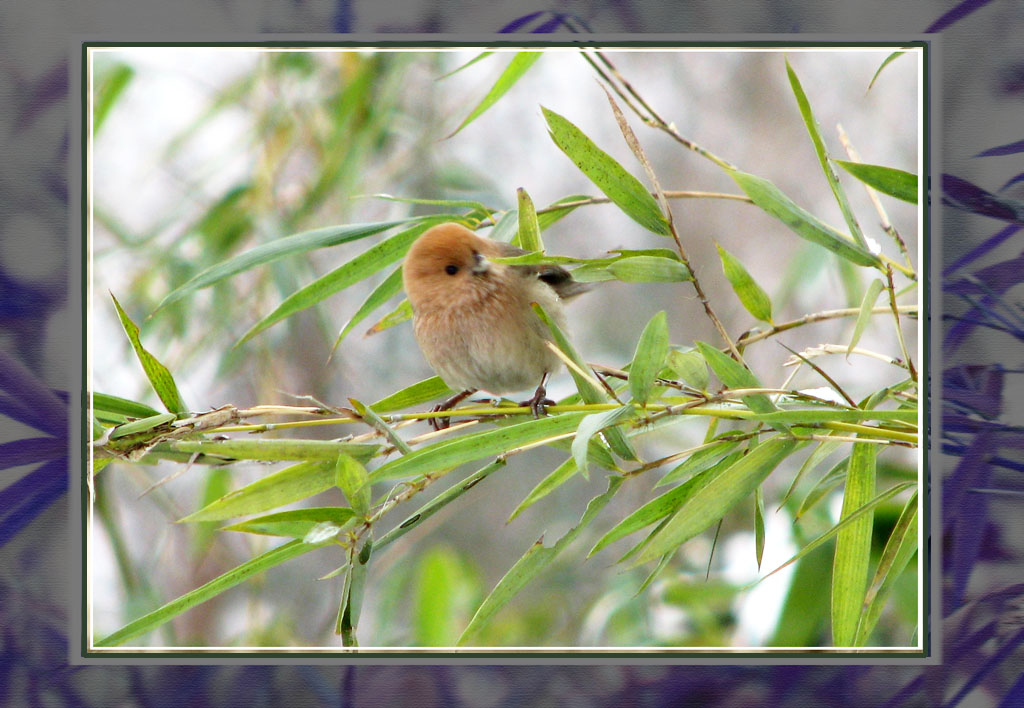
<point x="351" y="478"/>
<point x="420" y="392"/>
<point x="649" y="358"/>
<point x="295" y="523"/>
<point x="866" y="306"/>
<point x="532" y="563"/>
<point x="889" y="180"/>
<point x="215" y="587"/>
<point x="159" y="377"/>
<point x="721" y="494"/>
<point x="362" y="266"/>
<point x="753" y="297"/>
<point x="439" y="502"/>
<point x="507" y="227"/>
<point x="104" y="402"/>
<point x="736" y="376"/>
<point x="391" y="286"/>
<point x="899" y="549"/>
<point x="883" y="65"/>
<point x="555" y="211"/>
<point x="843" y="525"/>
<point x="759" y="525"/>
<point x="292" y="484"/>
<point x="449" y="454"/>
<point x="829" y="481"/>
<point x="807" y="226"/>
<point x="142" y="425"/>
<point x="699" y="461"/>
<point x="589" y="392"/>
<point x="625" y="190"/>
<point x="558" y="476"/>
<point x="528" y="237"/>
<point x="590" y="426"/>
<point x="110" y="83"/>
<point x="348" y="620"/>
<point x="649" y="269"/>
<point x="275" y="450"/>
<point x="658" y="508"/>
<point x="853" y="547"/>
<point x="278" y="248"/>
<point x="823" y="450"/>
<point x="519" y="65"/>
<point x="474" y="60"/>
<point x="689" y="365"/>
<point x="819" y="148"/>
<point x="400" y="314"/>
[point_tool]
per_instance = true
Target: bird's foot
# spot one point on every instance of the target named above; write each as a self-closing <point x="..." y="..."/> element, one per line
<point x="442" y="422"/>
<point x="539" y="403"/>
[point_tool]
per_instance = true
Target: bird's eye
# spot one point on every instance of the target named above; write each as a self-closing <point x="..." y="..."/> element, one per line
<point x="451" y="269"/>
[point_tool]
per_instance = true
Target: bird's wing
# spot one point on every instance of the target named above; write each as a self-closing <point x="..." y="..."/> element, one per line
<point x="556" y="276"/>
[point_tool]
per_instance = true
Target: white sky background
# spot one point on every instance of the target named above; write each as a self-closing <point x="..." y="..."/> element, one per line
<point x="737" y="105"/>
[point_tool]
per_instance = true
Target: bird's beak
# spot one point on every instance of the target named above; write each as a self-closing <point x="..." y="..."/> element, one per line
<point x="480" y="264"/>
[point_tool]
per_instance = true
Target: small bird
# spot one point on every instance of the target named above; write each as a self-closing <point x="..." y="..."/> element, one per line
<point x="473" y="318"/>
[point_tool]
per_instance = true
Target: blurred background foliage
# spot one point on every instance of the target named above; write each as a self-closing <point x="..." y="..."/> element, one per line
<point x="200" y="155"/>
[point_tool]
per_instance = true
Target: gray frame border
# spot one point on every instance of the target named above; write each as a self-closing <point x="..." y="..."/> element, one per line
<point x="78" y="655"/>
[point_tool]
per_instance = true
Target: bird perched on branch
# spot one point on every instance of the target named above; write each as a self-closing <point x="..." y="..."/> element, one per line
<point x="473" y="318"/>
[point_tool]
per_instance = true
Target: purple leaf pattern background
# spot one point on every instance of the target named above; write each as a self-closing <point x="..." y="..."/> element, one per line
<point x="979" y="469"/>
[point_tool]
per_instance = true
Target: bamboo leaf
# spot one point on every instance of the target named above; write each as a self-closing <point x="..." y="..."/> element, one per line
<point x="649" y="358"/>
<point x="362" y="266"/>
<point x="590" y="426"/>
<point x="884" y="64"/>
<point x="419" y="392"/>
<point x="450" y="454"/>
<point x="215" y="587"/>
<point x="536" y="559"/>
<point x="846" y="523"/>
<point x="351" y="478"/>
<point x="853" y="547"/>
<point x="698" y="462"/>
<point x="899" y="549"/>
<point x="753" y="297"/>
<point x="589" y="392"/>
<point x="528" y="236"/>
<point x="159" y="377"/>
<point x="104" y="402"/>
<point x="819" y="148"/>
<point x="402" y="313"/>
<point x="555" y="479"/>
<point x="295" y="522"/>
<point x="889" y="180"/>
<point x="689" y="365"/>
<point x="439" y="502"/>
<point x="864" y="316"/>
<point x="292" y="484"/>
<point x="735" y="375"/>
<point x="759" y="525"/>
<point x="519" y="65"/>
<point x="807" y="226"/>
<point x="278" y="248"/>
<point x="625" y="190"/>
<point x="718" y="496"/>
<point x="649" y="269"/>
<point x="656" y="509"/>
<point x="142" y="425"/>
<point x="391" y="286"/>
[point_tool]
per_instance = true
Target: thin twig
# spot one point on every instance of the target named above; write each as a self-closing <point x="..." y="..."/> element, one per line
<point x="899" y="327"/>
<point x="873" y="196"/>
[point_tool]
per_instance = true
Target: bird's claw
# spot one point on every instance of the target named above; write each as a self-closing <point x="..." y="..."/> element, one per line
<point x="538" y="404"/>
